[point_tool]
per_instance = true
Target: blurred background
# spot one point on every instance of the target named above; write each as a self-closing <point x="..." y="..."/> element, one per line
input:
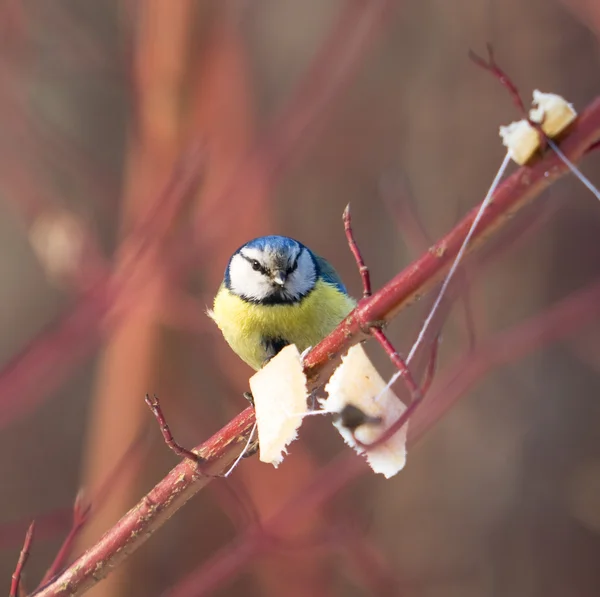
<point x="142" y="141"/>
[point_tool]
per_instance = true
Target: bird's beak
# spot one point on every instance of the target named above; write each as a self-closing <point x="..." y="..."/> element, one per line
<point x="279" y="278"/>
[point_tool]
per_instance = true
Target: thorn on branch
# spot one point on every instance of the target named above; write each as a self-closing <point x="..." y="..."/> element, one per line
<point x="154" y="406"/>
<point x="24" y="555"/>
<point x="362" y="268"/>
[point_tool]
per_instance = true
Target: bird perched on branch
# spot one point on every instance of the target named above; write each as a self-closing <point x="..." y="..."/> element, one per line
<point x="277" y="292"/>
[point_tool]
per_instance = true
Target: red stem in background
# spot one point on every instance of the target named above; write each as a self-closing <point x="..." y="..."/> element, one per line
<point x="23" y="556"/>
<point x="329" y="73"/>
<point x="399" y="203"/>
<point x="502" y="348"/>
<point x="47" y="359"/>
<point x="431" y="366"/>
<point x="81" y="513"/>
<point x="47" y="526"/>
<point x="57" y="521"/>
<point x="250" y="545"/>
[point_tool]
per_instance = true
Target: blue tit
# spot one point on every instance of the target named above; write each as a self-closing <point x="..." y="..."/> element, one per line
<point x="277" y="292"/>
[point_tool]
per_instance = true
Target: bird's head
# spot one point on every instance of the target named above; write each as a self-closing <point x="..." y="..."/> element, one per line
<point x="271" y="270"/>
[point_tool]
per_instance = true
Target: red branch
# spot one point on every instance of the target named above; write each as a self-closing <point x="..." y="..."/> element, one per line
<point x="16" y="577"/>
<point x="398" y="361"/>
<point x="223" y="448"/>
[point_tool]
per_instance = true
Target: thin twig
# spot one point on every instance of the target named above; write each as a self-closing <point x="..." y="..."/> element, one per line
<point x="362" y="268"/>
<point x="492" y="67"/>
<point x="376" y="331"/>
<point x="24" y="555"/>
<point x="154" y="406"/>
<point x="399" y="362"/>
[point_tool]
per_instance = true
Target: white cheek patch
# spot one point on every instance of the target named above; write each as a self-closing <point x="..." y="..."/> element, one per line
<point x="245" y="281"/>
<point x="303" y="278"/>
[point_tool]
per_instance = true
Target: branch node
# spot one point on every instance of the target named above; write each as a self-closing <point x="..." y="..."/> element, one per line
<point x="182" y="452"/>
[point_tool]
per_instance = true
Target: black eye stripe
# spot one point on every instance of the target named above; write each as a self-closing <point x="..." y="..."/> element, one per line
<point x="294" y="266"/>
<point x="263" y="270"/>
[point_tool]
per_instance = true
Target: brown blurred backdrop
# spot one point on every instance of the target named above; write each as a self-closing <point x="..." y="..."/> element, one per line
<point x="99" y="101"/>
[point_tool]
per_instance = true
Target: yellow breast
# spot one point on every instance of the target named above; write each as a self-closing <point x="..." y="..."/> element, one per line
<point x="244" y="325"/>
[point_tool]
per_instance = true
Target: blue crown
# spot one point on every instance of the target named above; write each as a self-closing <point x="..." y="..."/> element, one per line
<point x="284" y="243"/>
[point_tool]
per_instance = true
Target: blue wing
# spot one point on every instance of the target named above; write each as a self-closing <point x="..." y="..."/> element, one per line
<point x="328" y="274"/>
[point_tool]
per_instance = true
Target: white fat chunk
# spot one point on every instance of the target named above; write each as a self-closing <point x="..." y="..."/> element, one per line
<point x="551" y="111"/>
<point x="521" y="139"/>
<point x="280" y="402"/>
<point x="356" y="382"/>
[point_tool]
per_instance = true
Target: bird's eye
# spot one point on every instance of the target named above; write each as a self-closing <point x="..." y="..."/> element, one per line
<point x="255" y="265"/>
